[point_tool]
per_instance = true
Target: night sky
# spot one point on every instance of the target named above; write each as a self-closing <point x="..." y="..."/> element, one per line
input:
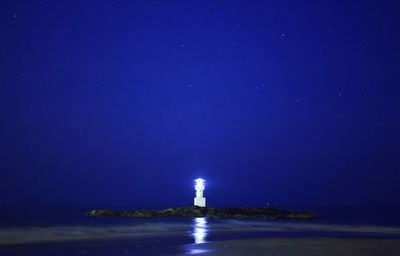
<point x="125" y="103"/>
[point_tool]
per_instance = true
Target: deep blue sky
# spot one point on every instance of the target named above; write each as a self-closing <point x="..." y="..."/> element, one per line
<point x="124" y="103"/>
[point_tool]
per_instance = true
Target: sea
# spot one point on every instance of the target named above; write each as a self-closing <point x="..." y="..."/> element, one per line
<point x="67" y="231"/>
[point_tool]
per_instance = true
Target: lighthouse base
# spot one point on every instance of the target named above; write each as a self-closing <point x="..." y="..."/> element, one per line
<point x="200" y="201"/>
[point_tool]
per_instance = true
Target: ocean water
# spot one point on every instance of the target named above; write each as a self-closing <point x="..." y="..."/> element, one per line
<point x="70" y="232"/>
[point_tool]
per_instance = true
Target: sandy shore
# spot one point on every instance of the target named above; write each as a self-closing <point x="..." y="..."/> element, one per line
<point x="297" y="247"/>
<point x="175" y="246"/>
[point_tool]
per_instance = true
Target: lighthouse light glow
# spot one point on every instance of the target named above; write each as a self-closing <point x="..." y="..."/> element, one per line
<point x="199" y="182"/>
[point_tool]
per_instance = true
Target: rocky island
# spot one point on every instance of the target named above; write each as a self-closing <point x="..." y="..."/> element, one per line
<point x="268" y="213"/>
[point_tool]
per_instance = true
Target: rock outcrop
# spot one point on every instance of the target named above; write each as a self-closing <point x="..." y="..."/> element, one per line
<point x="270" y="213"/>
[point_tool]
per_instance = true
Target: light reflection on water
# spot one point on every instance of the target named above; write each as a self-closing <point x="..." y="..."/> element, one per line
<point x="200" y="230"/>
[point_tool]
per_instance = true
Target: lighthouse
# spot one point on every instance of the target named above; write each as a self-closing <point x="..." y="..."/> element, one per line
<point x="199" y="200"/>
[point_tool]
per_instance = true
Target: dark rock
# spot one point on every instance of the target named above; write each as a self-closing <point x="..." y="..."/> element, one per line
<point x="270" y="213"/>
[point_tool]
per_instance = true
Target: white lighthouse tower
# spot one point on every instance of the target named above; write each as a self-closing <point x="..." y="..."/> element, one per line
<point x="199" y="200"/>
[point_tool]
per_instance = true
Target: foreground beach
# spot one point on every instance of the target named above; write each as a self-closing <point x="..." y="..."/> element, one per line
<point x="246" y="247"/>
<point x="297" y="247"/>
